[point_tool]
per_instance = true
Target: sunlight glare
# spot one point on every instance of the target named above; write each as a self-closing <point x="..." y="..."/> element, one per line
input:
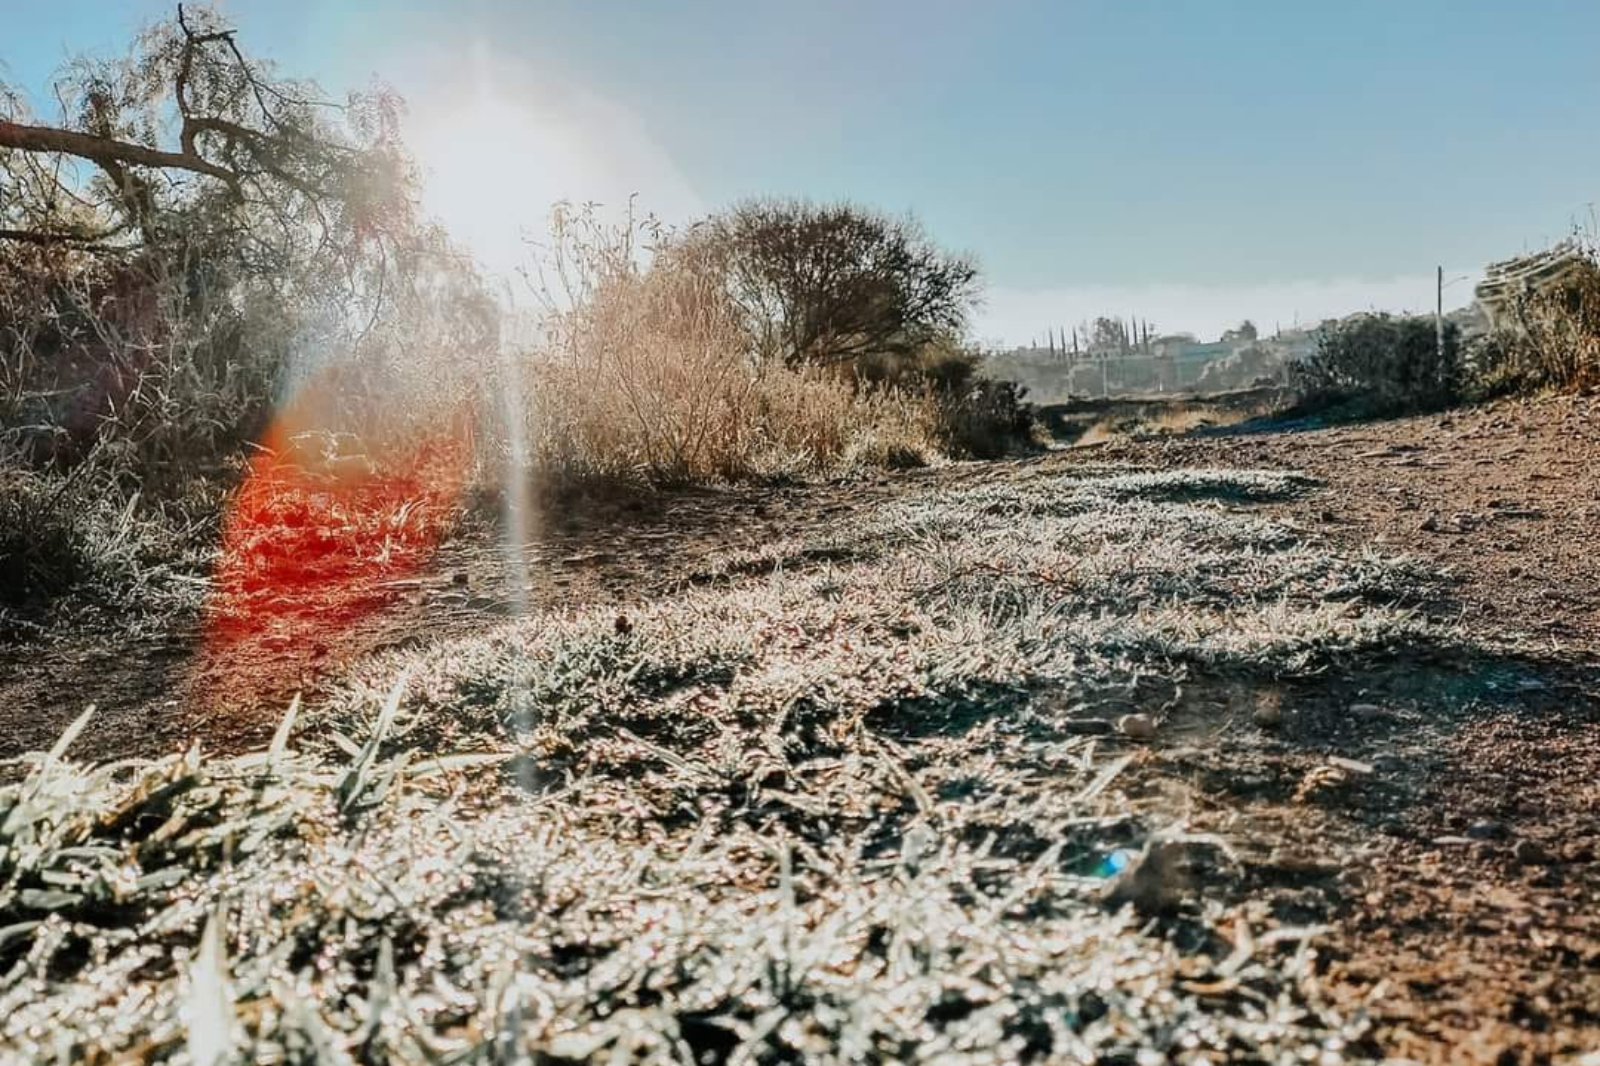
<point x="499" y="145"/>
<point x="491" y="173"/>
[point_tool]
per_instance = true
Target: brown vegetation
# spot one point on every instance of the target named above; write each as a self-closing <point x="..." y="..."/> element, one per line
<point x="647" y="374"/>
<point x="237" y="242"/>
<point x="1544" y="334"/>
<point x="1548" y="337"/>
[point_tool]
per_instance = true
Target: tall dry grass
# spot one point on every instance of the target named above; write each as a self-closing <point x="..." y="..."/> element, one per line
<point x="644" y="373"/>
<point x="1551" y="338"/>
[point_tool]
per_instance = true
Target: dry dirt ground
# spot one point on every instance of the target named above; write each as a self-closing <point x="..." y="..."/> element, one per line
<point x="1442" y="818"/>
<point x="1463" y="879"/>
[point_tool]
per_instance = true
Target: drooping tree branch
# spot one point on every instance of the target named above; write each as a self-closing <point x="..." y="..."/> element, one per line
<point x="106" y="150"/>
<point x="88" y="242"/>
<point x="326" y="187"/>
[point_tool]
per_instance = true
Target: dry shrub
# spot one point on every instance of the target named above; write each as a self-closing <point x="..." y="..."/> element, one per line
<point x="139" y="354"/>
<point x="128" y="388"/>
<point x="645" y="374"/>
<point x="77" y="533"/>
<point x="1548" y="339"/>
<point x="1381" y="364"/>
<point x="975" y="417"/>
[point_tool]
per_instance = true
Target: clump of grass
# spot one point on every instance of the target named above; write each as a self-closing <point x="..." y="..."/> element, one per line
<point x="283" y="913"/>
<point x="1085" y="580"/>
<point x="77" y="535"/>
<point x="837" y="808"/>
<point x="950" y="609"/>
<point x="1044" y="602"/>
<point x="1253" y="486"/>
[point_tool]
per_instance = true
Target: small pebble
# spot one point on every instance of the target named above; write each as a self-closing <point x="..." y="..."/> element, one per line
<point x="1486" y="830"/>
<point x="1137" y="726"/>
<point x="1530" y="853"/>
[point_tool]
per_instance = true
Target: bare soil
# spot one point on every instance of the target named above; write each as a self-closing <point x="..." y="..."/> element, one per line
<point x="1461" y="875"/>
<point x="1441" y="816"/>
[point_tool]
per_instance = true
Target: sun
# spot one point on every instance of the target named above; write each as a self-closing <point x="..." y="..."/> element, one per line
<point x="500" y="144"/>
<point x="492" y="168"/>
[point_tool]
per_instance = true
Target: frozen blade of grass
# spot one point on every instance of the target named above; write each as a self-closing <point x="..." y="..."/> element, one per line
<point x="48" y="899"/>
<point x="15" y="932"/>
<point x="504" y="1008"/>
<point x="303" y="1021"/>
<point x="1103" y="779"/>
<point x="69" y="735"/>
<point x="31" y="804"/>
<point x="125" y="521"/>
<point x="280" y="739"/>
<point x="350" y="748"/>
<point x="208" y="1007"/>
<point x="380" y="993"/>
<point x="666" y="755"/>
<point x="353" y="784"/>
<point x="435" y="765"/>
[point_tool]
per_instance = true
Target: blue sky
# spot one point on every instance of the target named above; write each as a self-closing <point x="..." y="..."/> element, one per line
<point x="1190" y="162"/>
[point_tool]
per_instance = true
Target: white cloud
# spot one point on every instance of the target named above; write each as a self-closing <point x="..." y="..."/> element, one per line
<point x="1016" y="316"/>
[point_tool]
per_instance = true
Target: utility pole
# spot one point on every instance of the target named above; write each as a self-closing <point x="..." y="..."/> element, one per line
<point x="1438" y="317"/>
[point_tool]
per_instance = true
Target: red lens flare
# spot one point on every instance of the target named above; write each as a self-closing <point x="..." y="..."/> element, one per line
<point x="320" y="531"/>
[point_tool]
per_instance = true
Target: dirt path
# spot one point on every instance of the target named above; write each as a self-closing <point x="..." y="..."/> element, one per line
<point x="1442" y="817"/>
<point x="1465" y="876"/>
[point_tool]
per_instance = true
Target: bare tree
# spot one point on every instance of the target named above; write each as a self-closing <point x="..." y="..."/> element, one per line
<point x="188" y="139"/>
<point x="828" y="284"/>
<point x="190" y="217"/>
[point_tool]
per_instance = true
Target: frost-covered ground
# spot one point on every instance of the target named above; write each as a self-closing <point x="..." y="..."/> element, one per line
<point x="847" y="799"/>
